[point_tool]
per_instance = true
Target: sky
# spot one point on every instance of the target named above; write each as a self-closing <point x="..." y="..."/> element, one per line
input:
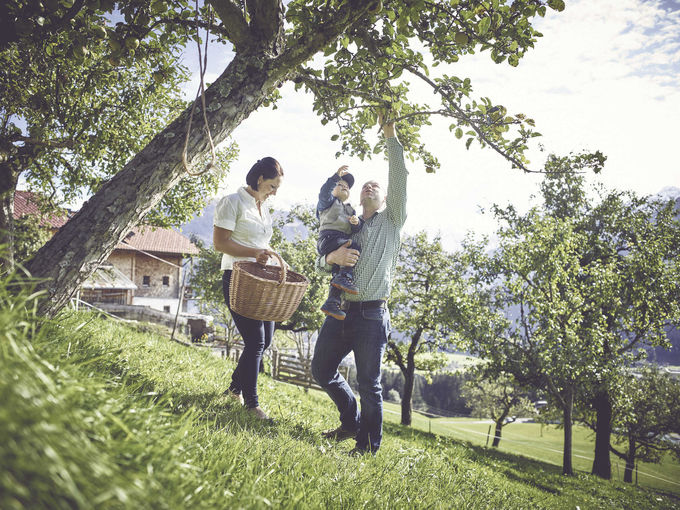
<point x="604" y="76"/>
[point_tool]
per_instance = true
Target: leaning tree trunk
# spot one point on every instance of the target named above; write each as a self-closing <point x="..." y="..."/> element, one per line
<point x="602" y="465"/>
<point x="567" y="467"/>
<point x="73" y="254"/>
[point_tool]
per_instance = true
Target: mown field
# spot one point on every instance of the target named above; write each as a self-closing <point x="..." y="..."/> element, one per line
<point x="543" y="442"/>
<point x="96" y="414"/>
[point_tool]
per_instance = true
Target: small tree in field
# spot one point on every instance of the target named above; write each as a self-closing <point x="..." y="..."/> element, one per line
<point x="645" y="417"/>
<point x="499" y="398"/>
<point x="425" y="280"/>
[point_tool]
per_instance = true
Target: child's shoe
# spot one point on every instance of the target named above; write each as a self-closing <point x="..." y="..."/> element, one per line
<point x="345" y="283"/>
<point x="332" y="307"/>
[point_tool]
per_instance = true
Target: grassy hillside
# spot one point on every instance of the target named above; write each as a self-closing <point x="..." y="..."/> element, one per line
<point x="96" y="414"/>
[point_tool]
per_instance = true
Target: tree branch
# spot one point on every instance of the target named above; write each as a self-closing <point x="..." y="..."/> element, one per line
<point x="266" y="23"/>
<point x="471" y="122"/>
<point x="235" y="26"/>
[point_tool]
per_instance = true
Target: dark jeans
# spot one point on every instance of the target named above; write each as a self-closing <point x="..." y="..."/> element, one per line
<point x="364" y="332"/>
<point x="257" y="336"/>
<point x="330" y="240"/>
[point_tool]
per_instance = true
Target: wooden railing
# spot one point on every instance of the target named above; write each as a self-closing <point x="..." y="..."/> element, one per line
<point x="288" y="367"/>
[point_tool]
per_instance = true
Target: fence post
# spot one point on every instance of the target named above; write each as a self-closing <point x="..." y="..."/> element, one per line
<point x="275" y="364"/>
<point x="488" y="433"/>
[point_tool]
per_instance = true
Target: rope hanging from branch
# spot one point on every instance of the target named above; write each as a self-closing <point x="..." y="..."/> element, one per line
<point x="202" y="65"/>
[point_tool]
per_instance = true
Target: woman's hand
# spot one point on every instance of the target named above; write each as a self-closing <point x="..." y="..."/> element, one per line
<point x="342" y="170"/>
<point x="262" y="256"/>
<point x="343" y="256"/>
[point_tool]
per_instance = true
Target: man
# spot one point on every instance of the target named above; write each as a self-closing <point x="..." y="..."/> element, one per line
<point x="366" y="326"/>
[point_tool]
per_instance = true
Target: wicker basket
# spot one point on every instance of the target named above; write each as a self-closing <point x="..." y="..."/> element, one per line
<point x="267" y="293"/>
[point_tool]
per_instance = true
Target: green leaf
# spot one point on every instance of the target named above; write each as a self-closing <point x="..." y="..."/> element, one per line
<point x="335" y="137"/>
<point x="483" y="25"/>
<point x="459" y="133"/>
<point x="556" y="5"/>
<point x="468" y="143"/>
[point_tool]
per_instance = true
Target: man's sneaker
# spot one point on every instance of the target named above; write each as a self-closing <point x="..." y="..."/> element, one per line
<point x="339" y="434"/>
<point x="237" y="397"/>
<point x="258" y="413"/>
<point x="332" y="308"/>
<point x="345" y="283"/>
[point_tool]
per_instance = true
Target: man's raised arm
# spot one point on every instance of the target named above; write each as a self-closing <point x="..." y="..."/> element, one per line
<point x="396" y="185"/>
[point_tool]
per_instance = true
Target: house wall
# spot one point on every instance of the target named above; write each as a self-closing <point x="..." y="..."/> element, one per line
<point x="137" y="265"/>
<point x="167" y="305"/>
<point x="123" y="261"/>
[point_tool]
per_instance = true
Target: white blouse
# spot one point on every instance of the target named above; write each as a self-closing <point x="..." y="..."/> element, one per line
<point x="238" y="212"/>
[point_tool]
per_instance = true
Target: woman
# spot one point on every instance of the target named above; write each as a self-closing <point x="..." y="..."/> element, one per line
<point x="242" y="229"/>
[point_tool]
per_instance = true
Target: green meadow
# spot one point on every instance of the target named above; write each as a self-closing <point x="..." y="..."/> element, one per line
<point x="97" y="414"/>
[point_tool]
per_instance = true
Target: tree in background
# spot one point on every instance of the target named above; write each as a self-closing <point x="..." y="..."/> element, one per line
<point x="29" y="236"/>
<point x="585" y="285"/>
<point x="206" y="284"/>
<point x="524" y="312"/>
<point x="498" y="397"/>
<point x="645" y="418"/>
<point x="83" y="91"/>
<point x="365" y="44"/>
<point x="295" y="237"/>
<point x="632" y="245"/>
<point x="424" y="281"/>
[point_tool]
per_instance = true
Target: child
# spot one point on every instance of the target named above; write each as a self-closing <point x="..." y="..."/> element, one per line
<point x="337" y="221"/>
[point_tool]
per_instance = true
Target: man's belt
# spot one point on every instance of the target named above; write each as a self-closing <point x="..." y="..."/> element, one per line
<point x="363" y="305"/>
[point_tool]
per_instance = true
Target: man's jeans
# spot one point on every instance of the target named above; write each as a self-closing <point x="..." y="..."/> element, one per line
<point x="364" y="331"/>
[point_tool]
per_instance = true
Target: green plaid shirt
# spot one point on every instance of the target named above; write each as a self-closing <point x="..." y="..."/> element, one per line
<point x="380" y="236"/>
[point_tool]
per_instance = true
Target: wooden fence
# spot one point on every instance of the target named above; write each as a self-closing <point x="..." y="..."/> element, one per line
<point x="288" y="367"/>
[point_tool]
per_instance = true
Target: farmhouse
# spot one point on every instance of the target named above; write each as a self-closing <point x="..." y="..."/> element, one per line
<point x="144" y="270"/>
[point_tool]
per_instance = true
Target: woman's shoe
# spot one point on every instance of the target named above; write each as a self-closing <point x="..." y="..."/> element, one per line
<point x="234" y="396"/>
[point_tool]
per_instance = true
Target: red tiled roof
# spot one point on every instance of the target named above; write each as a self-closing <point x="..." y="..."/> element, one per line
<point x="145" y="238"/>
<point x="160" y="240"/>
<point x="25" y="203"/>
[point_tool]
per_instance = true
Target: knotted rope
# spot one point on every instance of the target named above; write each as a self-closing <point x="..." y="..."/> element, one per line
<point x="200" y="93"/>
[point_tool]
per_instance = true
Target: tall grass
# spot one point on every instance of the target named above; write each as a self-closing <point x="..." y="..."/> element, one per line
<point x="95" y="414"/>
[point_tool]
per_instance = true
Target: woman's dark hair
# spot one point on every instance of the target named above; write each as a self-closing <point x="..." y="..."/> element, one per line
<point x="267" y="167"/>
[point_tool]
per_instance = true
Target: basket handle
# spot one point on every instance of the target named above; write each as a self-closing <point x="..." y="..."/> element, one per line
<point x="282" y="264"/>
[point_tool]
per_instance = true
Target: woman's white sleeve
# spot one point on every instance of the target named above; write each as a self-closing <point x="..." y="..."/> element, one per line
<point x="226" y="213"/>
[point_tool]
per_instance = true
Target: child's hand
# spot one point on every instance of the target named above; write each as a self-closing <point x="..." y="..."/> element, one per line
<point x="354" y="219"/>
<point x="342" y="170"/>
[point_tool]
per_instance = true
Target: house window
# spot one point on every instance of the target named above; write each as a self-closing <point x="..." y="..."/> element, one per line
<point x="146" y="280"/>
<point x="166" y="309"/>
<point x="166" y="281"/>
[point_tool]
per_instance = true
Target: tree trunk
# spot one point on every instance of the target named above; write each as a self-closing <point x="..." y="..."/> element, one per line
<point x="602" y="466"/>
<point x="8" y="184"/>
<point x="630" y="461"/>
<point x="497" y="433"/>
<point x="567" y="468"/>
<point x="409" y="383"/>
<point x="81" y="245"/>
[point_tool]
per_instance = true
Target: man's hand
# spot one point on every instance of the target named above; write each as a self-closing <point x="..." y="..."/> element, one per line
<point x="354" y="219"/>
<point x="386" y="124"/>
<point x="342" y="171"/>
<point x="343" y="256"/>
